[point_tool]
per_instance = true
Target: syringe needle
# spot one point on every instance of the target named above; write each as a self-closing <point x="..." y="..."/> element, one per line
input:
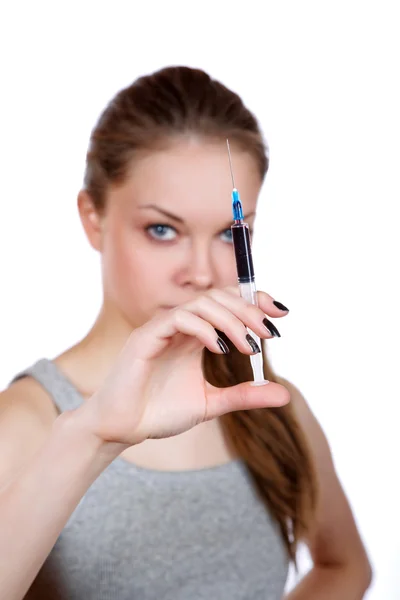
<point x="245" y="270"/>
<point x="230" y="164"/>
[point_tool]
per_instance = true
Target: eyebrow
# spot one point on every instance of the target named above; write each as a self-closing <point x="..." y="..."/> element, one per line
<point x="174" y="217"/>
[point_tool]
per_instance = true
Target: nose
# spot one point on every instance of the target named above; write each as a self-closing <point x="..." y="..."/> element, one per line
<point x="199" y="272"/>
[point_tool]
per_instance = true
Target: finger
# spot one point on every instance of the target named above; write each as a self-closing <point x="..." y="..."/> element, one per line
<point x="149" y="340"/>
<point x="251" y="315"/>
<point x="244" y="397"/>
<point x="231" y="315"/>
<point x="265" y="302"/>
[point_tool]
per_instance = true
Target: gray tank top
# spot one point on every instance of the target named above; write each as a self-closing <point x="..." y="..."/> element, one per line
<point x="142" y="534"/>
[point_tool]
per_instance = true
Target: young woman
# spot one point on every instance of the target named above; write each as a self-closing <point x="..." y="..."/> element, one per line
<point x="141" y="463"/>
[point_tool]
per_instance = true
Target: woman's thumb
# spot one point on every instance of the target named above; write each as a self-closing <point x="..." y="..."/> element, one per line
<point x="244" y="396"/>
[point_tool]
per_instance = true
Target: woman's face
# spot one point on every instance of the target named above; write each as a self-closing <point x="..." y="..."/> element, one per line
<point x="166" y="232"/>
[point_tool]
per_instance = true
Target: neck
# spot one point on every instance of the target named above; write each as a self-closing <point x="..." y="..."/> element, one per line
<point x="88" y="362"/>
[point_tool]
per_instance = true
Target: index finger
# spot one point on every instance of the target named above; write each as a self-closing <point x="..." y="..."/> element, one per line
<point x="266" y="302"/>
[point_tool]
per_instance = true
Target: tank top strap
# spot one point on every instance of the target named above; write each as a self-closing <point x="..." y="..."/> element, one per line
<point x="57" y="385"/>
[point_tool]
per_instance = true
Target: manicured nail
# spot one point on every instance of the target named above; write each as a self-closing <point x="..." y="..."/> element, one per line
<point x="252" y="343"/>
<point x="223" y="346"/>
<point x="280" y="305"/>
<point x="271" y="328"/>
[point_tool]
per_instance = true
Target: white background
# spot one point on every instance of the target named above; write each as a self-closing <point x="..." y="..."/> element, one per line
<point x="323" y="78"/>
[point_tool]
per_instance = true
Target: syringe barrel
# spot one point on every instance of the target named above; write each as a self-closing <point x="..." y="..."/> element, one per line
<point x="242" y="247"/>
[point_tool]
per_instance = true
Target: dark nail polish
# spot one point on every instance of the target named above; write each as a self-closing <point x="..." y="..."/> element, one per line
<point x="252" y="343"/>
<point x="271" y="328"/>
<point x="280" y="305"/>
<point x="223" y="346"/>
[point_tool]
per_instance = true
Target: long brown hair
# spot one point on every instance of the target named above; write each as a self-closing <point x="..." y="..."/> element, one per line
<point x="178" y="101"/>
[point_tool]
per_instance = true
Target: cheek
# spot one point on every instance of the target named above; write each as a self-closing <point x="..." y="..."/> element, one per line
<point x="126" y="262"/>
<point x="133" y="267"/>
<point x="225" y="266"/>
<point x="228" y="277"/>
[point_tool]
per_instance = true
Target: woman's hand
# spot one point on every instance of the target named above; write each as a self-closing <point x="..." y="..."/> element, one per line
<point x="156" y="388"/>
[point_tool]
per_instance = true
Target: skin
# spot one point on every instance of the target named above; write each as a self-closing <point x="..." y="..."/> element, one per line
<point x="145" y="270"/>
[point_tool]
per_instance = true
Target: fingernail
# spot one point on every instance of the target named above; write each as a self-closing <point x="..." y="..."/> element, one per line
<point x="256" y="383"/>
<point x="252" y="343"/>
<point x="223" y="346"/>
<point x="280" y="305"/>
<point x="271" y="328"/>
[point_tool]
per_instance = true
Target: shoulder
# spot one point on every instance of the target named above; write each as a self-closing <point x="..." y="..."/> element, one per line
<point x="297" y="399"/>
<point x="27" y="414"/>
<point x="306" y="418"/>
<point x="335" y="539"/>
<point x="27" y="396"/>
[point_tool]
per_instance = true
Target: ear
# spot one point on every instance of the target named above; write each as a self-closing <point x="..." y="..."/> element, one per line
<point x="91" y="219"/>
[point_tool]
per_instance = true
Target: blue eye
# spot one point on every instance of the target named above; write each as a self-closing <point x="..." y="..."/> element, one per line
<point x="158" y="230"/>
<point x="229" y="236"/>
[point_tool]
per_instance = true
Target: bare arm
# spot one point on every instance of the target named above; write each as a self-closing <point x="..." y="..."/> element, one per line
<point x="341" y="568"/>
<point x="50" y="476"/>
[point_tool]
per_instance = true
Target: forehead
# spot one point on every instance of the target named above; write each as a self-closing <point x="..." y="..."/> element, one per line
<point x="192" y="178"/>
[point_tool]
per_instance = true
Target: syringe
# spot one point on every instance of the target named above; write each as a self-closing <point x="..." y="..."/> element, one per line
<point x="245" y="269"/>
